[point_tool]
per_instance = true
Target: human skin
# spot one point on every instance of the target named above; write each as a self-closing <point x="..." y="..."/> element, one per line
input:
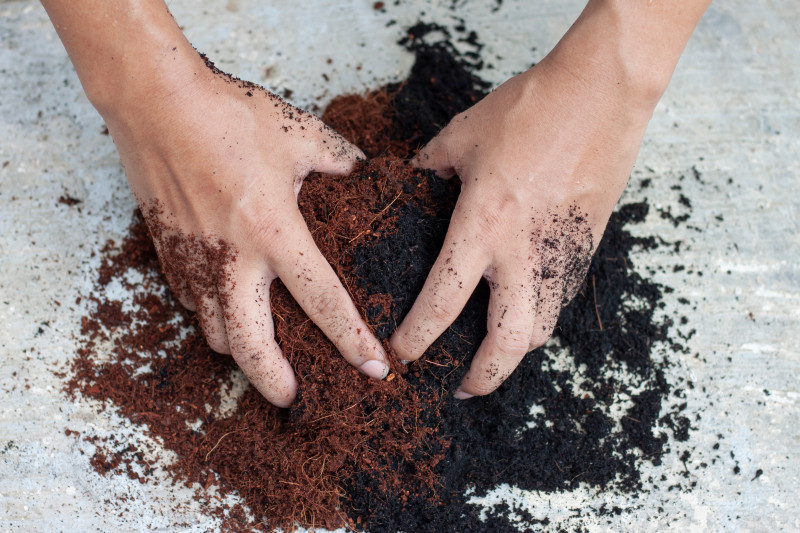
<point x="214" y="161"/>
<point x="543" y="160"/>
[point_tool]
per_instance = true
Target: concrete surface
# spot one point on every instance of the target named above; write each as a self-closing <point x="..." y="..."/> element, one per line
<point x="731" y="111"/>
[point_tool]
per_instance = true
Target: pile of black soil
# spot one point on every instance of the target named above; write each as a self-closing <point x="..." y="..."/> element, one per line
<point x="441" y="84"/>
<point x="560" y="420"/>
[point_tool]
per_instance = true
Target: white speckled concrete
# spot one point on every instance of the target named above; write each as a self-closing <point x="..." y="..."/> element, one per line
<point x="731" y="111"/>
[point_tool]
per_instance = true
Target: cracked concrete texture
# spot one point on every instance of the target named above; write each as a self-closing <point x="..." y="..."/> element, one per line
<point x="731" y="112"/>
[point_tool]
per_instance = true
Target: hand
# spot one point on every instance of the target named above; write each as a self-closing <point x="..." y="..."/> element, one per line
<point x="216" y="165"/>
<point x="542" y="161"/>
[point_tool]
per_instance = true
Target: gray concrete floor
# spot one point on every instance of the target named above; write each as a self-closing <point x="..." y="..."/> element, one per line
<point x="731" y="111"/>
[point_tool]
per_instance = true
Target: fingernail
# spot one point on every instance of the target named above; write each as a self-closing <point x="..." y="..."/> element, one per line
<point x="375" y="369"/>
<point x="461" y="395"/>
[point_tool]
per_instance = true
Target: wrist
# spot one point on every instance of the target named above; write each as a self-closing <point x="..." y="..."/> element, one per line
<point x="129" y="90"/>
<point x="628" y="48"/>
<point x="127" y="54"/>
<point x="599" y="51"/>
<point x="642" y="42"/>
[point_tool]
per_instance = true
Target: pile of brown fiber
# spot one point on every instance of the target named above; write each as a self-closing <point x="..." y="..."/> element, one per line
<point x="396" y="455"/>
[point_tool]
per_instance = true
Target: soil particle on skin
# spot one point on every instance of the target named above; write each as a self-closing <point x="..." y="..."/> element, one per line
<point x="401" y="454"/>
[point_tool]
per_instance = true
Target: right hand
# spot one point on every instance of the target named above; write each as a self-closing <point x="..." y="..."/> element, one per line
<point x="216" y="165"/>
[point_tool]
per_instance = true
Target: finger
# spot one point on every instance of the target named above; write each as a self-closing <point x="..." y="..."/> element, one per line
<point x="177" y="285"/>
<point x="437" y="155"/>
<point x="180" y="289"/>
<point x="509" y="326"/>
<point x="334" y="154"/>
<point x="450" y="283"/>
<point x="549" y="302"/>
<point x="314" y="285"/>
<point x="212" y="320"/>
<point x="251" y="334"/>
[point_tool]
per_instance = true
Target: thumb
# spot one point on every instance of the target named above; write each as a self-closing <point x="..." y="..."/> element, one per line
<point x="335" y="155"/>
<point x="437" y="155"/>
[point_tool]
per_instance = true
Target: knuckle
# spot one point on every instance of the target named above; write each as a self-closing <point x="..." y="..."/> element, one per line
<point x="262" y="224"/>
<point x="482" y="388"/>
<point x="413" y="337"/>
<point x="438" y="308"/>
<point x="409" y="341"/>
<point x="511" y="343"/>
<point x="404" y="347"/>
<point x="489" y="217"/>
<point x="494" y="216"/>
<point x="323" y="303"/>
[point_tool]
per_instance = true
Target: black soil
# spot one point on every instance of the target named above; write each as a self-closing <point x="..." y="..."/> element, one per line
<point x="441" y="84"/>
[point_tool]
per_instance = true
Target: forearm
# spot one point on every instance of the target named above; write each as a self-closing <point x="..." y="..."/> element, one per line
<point x="630" y="45"/>
<point x="122" y="50"/>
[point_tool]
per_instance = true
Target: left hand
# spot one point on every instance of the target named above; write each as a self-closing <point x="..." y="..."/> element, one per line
<point x="543" y="160"/>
